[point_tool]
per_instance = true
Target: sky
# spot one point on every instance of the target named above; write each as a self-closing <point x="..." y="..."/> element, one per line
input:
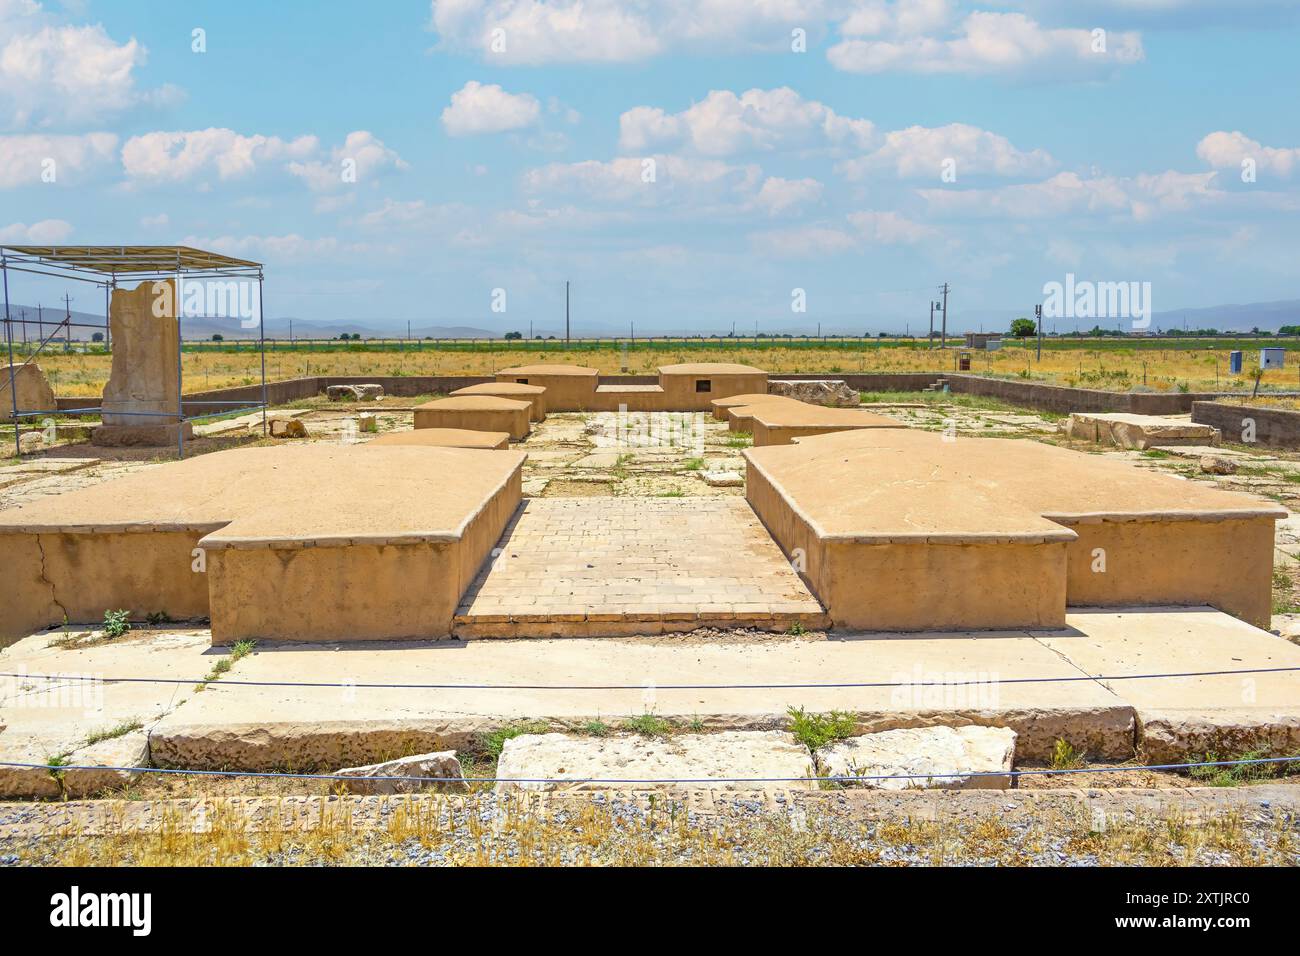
<point x="688" y="165"/>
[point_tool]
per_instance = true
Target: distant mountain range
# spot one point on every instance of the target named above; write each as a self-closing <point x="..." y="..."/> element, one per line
<point x="1267" y="316"/>
<point x="203" y="328"/>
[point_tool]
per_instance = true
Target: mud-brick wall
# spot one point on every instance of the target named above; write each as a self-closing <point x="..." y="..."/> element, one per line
<point x="1275" y="427"/>
<point x="1063" y="399"/>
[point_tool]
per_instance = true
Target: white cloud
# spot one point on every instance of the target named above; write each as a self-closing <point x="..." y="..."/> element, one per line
<point x="864" y="228"/>
<point x="159" y="221"/>
<point x="1223" y="150"/>
<point x="804" y="242"/>
<point x="181" y="156"/>
<point x="723" y="124"/>
<point x="921" y="152"/>
<point x="1069" y="194"/>
<point x="648" y="181"/>
<point x="24" y="158"/>
<point x="53" y="74"/>
<point x="889" y="228"/>
<point x="898" y="18"/>
<point x="477" y="108"/>
<point x="45" y="232"/>
<point x="362" y="153"/>
<point x="287" y="246"/>
<point x="990" y="43"/>
<point x="618" y="31"/>
<point x="414" y="213"/>
<point x="874" y="35"/>
<point x="778" y="195"/>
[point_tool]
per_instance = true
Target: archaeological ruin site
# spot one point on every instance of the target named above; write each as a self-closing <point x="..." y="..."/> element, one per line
<point x="716" y="551"/>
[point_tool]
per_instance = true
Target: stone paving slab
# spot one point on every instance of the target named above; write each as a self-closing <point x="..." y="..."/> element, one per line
<point x="1229" y="714"/>
<point x="274" y="727"/>
<point x="43" y="719"/>
<point x="567" y="567"/>
<point x="266" y="727"/>
<point x="765" y="759"/>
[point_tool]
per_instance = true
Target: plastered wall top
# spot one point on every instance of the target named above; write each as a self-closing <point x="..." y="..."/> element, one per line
<point x="709" y="368"/>
<point x="500" y="388"/>
<point x="443" y="438"/>
<point x="486" y="403"/>
<point x="802" y="413"/>
<point x="289" y="495"/>
<point x="887" y="484"/>
<point x="549" y="370"/>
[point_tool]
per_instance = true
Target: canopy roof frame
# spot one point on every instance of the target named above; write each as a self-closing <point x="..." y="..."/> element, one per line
<point x="102" y="266"/>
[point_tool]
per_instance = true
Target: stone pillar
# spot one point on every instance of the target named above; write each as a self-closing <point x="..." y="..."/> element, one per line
<point x="142" y="382"/>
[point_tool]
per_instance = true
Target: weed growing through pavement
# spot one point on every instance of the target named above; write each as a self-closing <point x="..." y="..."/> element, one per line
<point x="238" y="651"/>
<point x="815" y="731"/>
<point x="1065" y="757"/>
<point x="112" y="733"/>
<point x="648" y="725"/>
<point x="116" y="623"/>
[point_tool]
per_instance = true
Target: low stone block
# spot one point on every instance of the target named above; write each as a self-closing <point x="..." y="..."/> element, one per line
<point x="141" y="436"/>
<point x="835" y="393"/>
<point x="287" y="428"/>
<point x="942" y="751"/>
<point x="129" y="750"/>
<point x="443" y="765"/>
<point x="1215" y="465"/>
<point x="34" y="392"/>
<point x="354" y="393"/>
<point x="26" y="782"/>
<point x="723" y="479"/>
<point x="759" y="760"/>
<point x="1138" y="432"/>
<point x="367" y="423"/>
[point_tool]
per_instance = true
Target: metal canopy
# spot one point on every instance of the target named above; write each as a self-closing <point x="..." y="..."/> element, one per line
<point x="117" y="260"/>
<point x="101" y="266"/>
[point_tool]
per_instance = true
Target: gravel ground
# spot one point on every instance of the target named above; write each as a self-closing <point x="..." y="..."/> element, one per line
<point x="1256" y="825"/>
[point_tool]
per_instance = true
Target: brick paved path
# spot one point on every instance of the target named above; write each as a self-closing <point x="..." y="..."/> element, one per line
<point x="616" y="566"/>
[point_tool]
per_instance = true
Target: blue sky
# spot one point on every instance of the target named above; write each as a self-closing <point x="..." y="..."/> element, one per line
<point x="679" y="161"/>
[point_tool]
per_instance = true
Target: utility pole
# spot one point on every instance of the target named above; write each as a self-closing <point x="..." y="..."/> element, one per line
<point x="566" y="311"/>
<point x="1038" y="327"/>
<point x="929" y="341"/>
<point x="943" y="334"/>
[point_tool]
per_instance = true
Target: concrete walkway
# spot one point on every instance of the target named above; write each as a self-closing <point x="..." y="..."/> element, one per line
<point x="261" y="727"/>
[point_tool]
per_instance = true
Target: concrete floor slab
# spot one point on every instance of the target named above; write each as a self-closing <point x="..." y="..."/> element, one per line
<point x="262" y="727"/>
<point x="1228" y="714"/>
<point x="44" y="719"/>
<point x="567" y="567"/>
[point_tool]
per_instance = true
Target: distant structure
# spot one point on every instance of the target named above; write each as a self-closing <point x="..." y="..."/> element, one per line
<point x="983" y="340"/>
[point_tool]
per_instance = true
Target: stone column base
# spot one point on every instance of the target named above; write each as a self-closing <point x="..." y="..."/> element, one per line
<point x="143" y="436"/>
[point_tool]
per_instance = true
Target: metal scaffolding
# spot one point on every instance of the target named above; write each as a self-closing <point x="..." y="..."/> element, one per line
<point x="102" y="266"/>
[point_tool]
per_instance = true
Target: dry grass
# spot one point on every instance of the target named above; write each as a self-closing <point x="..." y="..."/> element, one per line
<point x="1107" y="367"/>
<point x="519" y="832"/>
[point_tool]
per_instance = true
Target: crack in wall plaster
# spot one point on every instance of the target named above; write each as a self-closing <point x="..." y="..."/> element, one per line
<point x="54" y="598"/>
